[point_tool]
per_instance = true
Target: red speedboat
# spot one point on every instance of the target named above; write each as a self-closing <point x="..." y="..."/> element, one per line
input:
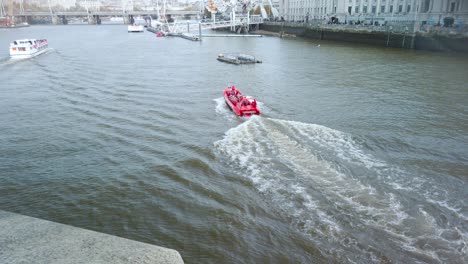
<point x="240" y="104"/>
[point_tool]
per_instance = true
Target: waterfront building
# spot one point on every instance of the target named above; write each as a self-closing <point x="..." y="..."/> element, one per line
<point x="302" y="10"/>
<point x="375" y="11"/>
<point x="93" y="5"/>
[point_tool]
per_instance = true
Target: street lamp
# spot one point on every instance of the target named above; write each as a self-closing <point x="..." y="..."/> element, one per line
<point x="416" y="14"/>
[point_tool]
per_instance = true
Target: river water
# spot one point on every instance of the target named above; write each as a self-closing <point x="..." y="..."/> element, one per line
<point x="360" y="155"/>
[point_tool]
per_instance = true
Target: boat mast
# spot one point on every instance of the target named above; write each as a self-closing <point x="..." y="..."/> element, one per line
<point x="123" y="8"/>
<point x="157" y="8"/>
<point x="51" y="12"/>
<point x="87" y="10"/>
<point x="2" y="9"/>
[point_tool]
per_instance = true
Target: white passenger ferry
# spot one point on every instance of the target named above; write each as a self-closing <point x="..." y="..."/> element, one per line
<point x="28" y="48"/>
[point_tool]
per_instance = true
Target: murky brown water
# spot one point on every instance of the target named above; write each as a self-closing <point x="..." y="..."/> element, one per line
<point x="360" y="156"/>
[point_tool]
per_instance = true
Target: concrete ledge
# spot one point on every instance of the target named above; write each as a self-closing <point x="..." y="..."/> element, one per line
<point x="25" y="239"/>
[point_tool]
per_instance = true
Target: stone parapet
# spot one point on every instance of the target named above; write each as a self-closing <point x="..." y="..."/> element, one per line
<point x="25" y="239"/>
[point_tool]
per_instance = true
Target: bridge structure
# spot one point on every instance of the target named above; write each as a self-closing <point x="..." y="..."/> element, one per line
<point x="94" y="17"/>
<point x="237" y="22"/>
<point x="108" y="13"/>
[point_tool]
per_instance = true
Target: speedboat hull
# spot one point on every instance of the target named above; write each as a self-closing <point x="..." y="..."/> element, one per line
<point x="241" y="105"/>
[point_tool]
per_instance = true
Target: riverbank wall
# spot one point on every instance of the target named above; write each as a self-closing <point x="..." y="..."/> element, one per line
<point x="377" y="36"/>
<point x="25" y="239"/>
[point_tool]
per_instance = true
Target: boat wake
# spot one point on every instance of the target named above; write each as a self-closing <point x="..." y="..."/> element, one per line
<point x="6" y="61"/>
<point x="50" y="50"/>
<point x="335" y="192"/>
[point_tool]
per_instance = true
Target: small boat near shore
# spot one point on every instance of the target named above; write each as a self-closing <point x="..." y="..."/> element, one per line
<point x="135" y="28"/>
<point x="240" y="104"/>
<point x="28" y="48"/>
<point x="237" y="58"/>
<point x="13" y="25"/>
<point x="185" y="36"/>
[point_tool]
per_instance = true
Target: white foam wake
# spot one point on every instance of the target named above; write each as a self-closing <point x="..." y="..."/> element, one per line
<point x="222" y="109"/>
<point x="300" y="167"/>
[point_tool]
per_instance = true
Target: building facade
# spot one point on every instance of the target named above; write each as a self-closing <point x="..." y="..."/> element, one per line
<point x="367" y="11"/>
<point x="63" y="3"/>
<point x="301" y="10"/>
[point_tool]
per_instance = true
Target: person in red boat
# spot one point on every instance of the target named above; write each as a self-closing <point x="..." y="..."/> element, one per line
<point x="244" y="101"/>
<point x="234" y="92"/>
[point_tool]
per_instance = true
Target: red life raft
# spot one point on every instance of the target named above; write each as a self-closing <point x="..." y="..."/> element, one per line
<point x="240" y="104"/>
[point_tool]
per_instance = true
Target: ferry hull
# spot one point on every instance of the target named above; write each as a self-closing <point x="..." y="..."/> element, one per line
<point x="27" y="56"/>
<point x="27" y="48"/>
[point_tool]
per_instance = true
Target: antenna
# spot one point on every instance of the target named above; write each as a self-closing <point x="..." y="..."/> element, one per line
<point x="158" y="8"/>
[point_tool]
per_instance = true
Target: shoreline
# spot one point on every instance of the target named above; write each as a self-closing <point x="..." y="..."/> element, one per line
<point x="430" y="41"/>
